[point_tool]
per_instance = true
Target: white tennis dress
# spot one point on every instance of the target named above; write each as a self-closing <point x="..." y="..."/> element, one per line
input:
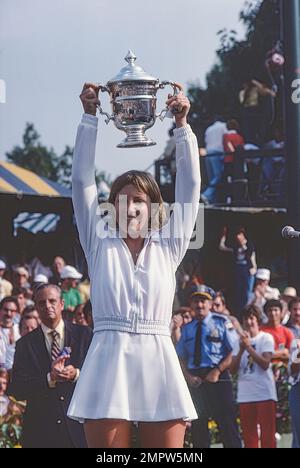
<point x="131" y="370"/>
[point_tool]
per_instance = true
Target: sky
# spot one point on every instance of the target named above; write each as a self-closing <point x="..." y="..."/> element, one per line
<point x="48" y="49"/>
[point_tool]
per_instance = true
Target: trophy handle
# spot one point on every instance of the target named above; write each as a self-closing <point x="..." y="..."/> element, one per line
<point x="166" y="112"/>
<point x="104" y="89"/>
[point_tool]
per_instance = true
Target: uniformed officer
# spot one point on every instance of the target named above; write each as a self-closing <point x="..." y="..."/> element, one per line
<point x="204" y="352"/>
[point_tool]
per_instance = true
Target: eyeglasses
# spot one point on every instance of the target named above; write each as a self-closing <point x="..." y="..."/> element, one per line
<point x="6" y="309"/>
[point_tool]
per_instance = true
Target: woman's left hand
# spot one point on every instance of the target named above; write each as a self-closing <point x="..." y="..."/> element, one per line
<point x="181" y="105"/>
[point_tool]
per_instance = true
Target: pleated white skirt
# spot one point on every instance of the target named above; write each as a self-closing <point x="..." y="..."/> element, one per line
<point x="131" y="376"/>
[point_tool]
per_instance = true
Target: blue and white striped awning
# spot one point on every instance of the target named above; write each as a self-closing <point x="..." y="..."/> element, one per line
<point x="36" y="222"/>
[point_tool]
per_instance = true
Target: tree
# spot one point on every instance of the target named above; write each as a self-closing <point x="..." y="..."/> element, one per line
<point x="45" y="162"/>
<point x="237" y="62"/>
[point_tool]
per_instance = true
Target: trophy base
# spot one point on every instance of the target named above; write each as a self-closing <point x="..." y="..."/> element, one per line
<point x="137" y="144"/>
<point x="136" y="138"/>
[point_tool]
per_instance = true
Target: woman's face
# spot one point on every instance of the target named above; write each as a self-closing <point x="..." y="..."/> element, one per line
<point x="133" y="209"/>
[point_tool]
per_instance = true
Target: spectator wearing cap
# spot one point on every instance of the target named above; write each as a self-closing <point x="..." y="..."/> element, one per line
<point x="71" y="296"/>
<point x="40" y="279"/>
<point x="244" y="264"/>
<point x="204" y="351"/>
<point x="256" y="395"/>
<point x="294" y="322"/>
<point x="263" y="291"/>
<point x="5" y="286"/>
<point x="21" y="277"/>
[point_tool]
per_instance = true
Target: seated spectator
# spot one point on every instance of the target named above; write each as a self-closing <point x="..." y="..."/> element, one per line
<point x="87" y="311"/>
<point x="181" y="317"/>
<point x="263" y="291"/>
<point x="256" y="386"/>
<point x="70" y="294"/>
<point x="9" y="331"/>
<point x="84" y="289"/>
<point x="57" y="266"/>
<point x="273" y="167"/>
<point x="30" y="311"/>
<point x="4" y="400"/>
<point x="20" y="294"/>
<point x="294" y="322"/>
<point x="21" y="278"/>
<point x="27" y="324"/>
<point x="38" y="280"/>
<point x="5" y="286"/>
<point x="288" y="294"/>
<point x="253" y="169"/>
<point x="79" y="317"/>
<point x="214" y="158"/>
<point x="219" y="306"/>
<point x="231" y="141"/>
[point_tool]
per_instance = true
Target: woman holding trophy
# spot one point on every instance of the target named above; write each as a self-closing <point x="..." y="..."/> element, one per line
<point x="131" y="372"/>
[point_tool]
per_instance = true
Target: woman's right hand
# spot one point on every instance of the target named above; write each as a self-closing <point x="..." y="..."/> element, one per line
<point x="90" y="98"/>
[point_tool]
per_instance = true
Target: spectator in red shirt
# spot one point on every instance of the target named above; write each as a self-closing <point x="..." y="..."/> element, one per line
<point x="283" y="337"/>
<point x="231" y="141"/>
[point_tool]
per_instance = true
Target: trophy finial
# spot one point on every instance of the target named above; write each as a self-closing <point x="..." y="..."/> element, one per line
<point x="130" y="57"/>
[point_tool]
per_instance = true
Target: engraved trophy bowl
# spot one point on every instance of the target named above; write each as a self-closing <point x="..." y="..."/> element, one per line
<point x="133" y="98"/>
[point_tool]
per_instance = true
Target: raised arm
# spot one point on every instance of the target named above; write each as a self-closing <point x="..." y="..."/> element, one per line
<point x="187" y="188"/>
<point x="84" y="190"/>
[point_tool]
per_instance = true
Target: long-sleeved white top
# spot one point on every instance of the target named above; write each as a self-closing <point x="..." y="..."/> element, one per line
<point x="130" y="297"/>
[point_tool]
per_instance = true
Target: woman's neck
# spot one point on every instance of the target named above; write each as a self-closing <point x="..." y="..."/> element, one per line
<point x="134" y="244"/>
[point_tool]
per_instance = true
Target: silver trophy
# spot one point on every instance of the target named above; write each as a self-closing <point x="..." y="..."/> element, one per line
<point x="133" y="99"/>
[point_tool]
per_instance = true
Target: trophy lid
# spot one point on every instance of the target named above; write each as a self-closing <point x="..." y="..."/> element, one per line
<point x="132" y="72"/>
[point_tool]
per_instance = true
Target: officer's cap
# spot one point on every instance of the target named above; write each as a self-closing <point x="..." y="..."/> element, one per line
<point x="203" y="291"/>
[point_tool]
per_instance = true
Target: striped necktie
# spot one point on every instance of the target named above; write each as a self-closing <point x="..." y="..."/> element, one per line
<point x="55" y="346"/>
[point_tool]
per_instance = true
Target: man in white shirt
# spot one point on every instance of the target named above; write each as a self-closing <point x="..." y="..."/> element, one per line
<point x="214" y="164"/>
<point x="8" y="330"/>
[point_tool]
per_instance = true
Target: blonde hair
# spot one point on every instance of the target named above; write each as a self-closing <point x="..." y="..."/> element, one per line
<point x="144" y="182"/>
